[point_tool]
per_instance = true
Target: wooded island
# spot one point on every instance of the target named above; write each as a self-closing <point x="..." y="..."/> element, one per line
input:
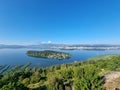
<point x="49" y="54"/>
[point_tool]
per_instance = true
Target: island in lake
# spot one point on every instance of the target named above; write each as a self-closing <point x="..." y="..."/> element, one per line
<point x="49" y="54"/>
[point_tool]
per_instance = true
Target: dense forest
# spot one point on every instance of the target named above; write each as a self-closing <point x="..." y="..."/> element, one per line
<point x="49" y="54"/>
<point x="85" y="75"/>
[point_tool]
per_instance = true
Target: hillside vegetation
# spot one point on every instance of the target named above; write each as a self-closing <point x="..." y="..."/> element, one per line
<point x="86" y="75"/>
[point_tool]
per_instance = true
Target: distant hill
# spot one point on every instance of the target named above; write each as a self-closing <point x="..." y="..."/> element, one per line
<point x="65" y="46"/>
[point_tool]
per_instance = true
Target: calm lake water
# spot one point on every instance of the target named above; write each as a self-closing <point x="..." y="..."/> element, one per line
<point x="18" y="56"/>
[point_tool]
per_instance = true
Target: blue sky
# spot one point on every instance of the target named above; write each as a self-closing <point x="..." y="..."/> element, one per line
<point x="60" y="21"/>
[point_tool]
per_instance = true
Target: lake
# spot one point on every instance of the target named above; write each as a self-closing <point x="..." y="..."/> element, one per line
<point x="18" y="56"/>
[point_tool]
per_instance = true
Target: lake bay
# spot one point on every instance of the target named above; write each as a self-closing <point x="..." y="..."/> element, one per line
<point x="18" y="56"/>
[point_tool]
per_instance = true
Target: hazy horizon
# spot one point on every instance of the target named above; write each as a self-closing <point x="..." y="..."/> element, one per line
<point x="21" y="44"/>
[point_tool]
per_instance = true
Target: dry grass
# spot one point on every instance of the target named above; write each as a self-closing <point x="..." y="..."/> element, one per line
<point x="112" y="81"/>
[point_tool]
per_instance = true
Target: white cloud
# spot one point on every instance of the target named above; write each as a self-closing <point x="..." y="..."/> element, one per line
<point x="46" y="42"/>
<point x="49" y="42"/>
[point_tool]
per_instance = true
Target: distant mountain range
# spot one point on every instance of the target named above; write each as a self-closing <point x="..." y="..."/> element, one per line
<point x="29" y="46"/>
<point x="65" y="46"/>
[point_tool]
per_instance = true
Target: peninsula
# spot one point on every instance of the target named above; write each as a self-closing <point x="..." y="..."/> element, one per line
<point x="49" y="54"/>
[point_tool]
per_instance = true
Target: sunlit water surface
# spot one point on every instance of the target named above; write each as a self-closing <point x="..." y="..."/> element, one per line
<point x="18" y="57"/>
